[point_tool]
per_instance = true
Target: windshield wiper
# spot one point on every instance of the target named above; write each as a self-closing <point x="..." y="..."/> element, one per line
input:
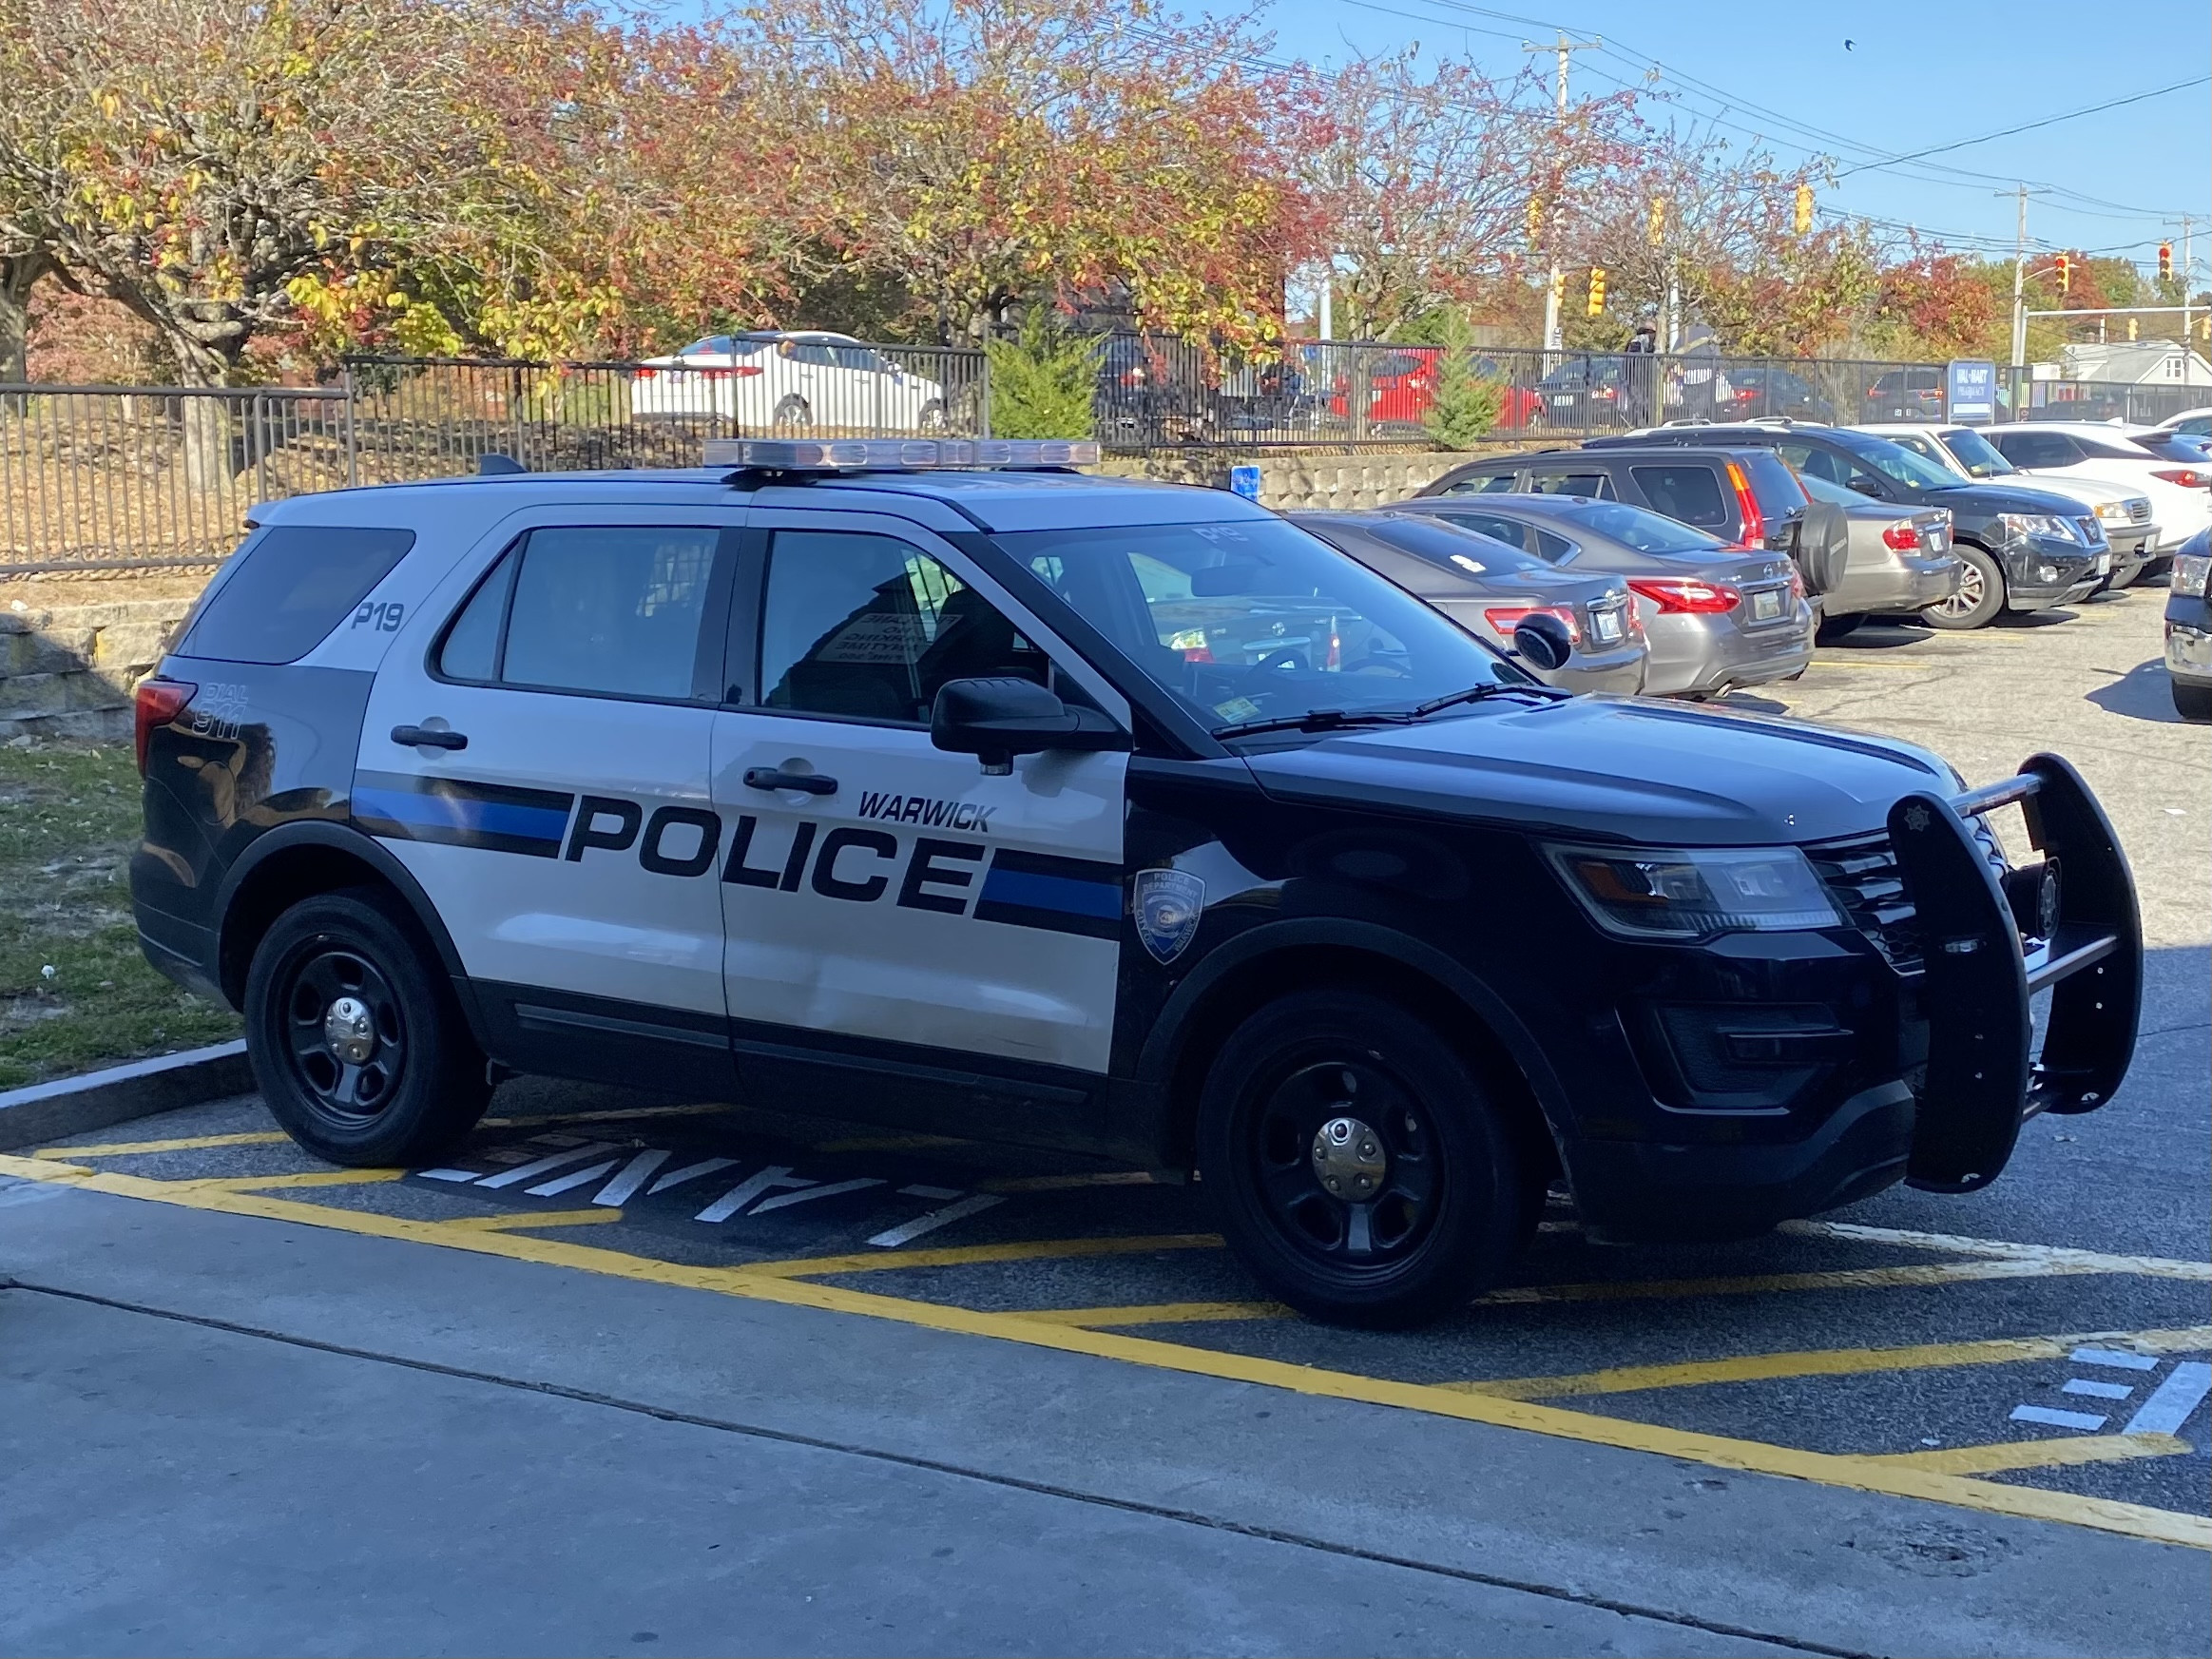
<point x="1478" y="693"/>
<point x="1316" y="720"/>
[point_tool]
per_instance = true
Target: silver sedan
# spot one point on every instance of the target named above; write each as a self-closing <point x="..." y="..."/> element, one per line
<point x="1717" y="616"/>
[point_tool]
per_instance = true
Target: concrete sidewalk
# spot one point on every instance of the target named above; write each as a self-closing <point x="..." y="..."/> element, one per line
<point x="232" y="1434"/>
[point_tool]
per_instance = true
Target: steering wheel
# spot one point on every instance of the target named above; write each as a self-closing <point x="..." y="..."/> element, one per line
<point x="1282" y="657"/>
<point x="1373" y="663"/>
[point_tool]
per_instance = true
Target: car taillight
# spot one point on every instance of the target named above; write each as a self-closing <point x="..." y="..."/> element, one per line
<point x="155" y="703"/>
<point x="645" y="374"/>
<point x="2187" y="476"/>
<point x="714" y="374"/>
<point x="1901" y="537"/>
<point x="1687" y="595"/>
<point x="1754" y="520"/>
<point x="1504" y="618"/>
<point x="744" y="369"/>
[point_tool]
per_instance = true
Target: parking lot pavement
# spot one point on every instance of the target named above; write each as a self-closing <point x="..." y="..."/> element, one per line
<point x="1930" y="1423"/>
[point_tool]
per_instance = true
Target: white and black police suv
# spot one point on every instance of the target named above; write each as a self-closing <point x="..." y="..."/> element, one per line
<point x="937" y="784"/>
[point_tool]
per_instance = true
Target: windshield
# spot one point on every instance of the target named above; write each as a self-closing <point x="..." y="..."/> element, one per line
<point x="1258" y="620"/>
<point x="1977" y="454"/>
<point x="1898" y="462"/>
<point x="1647" y="532"/>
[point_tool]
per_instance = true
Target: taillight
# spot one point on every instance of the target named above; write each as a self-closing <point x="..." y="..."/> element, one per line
<point x="1754" y="520"/>
<point x="645" y="374"/>
<point x="1901" y="537"/>
<point x="1687" y="595"/>
<point x="2189" y="476"/>
<point x="157" y="702"/>
<point x="744" y="369"/>
<point x="1504" y="618"/>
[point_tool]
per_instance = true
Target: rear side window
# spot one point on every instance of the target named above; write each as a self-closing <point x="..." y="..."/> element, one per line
<point x="1691" y="493"/>
<point x="612" y="610"/>
<point x="1596" y="485"/>
<point x="2037" y="449"/>
<point x="1490" y="484"/>
<point x="288" y="587"/>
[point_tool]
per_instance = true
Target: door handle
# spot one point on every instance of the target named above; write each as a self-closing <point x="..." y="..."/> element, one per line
<point x="774" y="778"/>
<point x="424" y="737"/>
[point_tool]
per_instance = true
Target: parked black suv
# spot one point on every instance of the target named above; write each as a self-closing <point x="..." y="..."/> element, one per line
<point x="2024" y="549"/>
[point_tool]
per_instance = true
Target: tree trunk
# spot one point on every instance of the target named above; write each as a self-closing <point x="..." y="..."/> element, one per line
<point x="18" y="275"/>
<point x="207" y="422"/>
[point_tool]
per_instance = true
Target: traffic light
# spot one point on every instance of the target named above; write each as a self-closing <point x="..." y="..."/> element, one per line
<point x="1655" y="228"/>
<point x="1597" y="304"/>
<point x="1558" y="286"/>
<point x="2066" y="273"/>
<point x="2165" y="261"/>
<point x="1802" y="220"/>
<point x="1535" y="221"/>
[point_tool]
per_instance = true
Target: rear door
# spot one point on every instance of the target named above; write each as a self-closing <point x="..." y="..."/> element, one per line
<point x="883" y="897"/>
<point x="538" y="758"/>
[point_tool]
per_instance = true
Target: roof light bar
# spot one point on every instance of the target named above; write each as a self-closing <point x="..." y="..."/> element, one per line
<point x="897" y="455"/>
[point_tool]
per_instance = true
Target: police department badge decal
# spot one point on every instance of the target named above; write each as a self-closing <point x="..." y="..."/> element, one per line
<point x="1167" y="906"/>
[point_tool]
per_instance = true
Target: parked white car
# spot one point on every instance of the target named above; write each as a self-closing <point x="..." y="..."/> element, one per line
<point x="2189" y="423"/>
<point x="772" y="381"/>
<point x="2124" y="511"/>
<point x="2181" y="494"/>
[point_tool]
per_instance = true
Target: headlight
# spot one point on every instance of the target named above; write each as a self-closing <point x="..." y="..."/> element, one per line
<point x="2192" y="572"/>
<point x="2023" y="523"/>
<point x="2112" y="512"/>
<point x="1693" y="893"/>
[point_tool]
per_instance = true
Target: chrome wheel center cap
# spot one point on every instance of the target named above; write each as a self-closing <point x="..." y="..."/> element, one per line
<point x="1348" y="1158"/>
<point x="349" y="1032"/>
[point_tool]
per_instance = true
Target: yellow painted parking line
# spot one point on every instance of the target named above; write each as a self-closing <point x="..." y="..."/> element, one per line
<point x="969" y="1255"/>
<point x="1160" y="1313"/>
<point x="2059" y="1452"/>
<point x="314" y="1178"/>
<point x="187" y="1144"/>
<point x="530" y="1217"/>
<point x="1063" y="1183"/>
<point x="1758" y="1284"/>
<point x="2082" y="1260"/>
<point x="1832" y="1362"/>
<point x="1860" y="1474"/>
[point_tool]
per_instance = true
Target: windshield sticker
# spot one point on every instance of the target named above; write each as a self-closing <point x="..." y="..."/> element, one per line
<point x="1237" y="709"/>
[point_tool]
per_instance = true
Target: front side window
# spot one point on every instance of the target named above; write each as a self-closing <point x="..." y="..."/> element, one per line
<point x="1690" y="494"/>
<point x="1257" y="620"/>
<point x="1974" y="452"/>
<point x="607" y="609"/>
<point x="869" y="628"/>
<point x="1490" y="484"/>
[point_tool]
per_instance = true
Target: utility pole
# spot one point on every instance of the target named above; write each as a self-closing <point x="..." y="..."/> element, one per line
<point x="2019" y="285"/>
<point x="1566" y="49"/>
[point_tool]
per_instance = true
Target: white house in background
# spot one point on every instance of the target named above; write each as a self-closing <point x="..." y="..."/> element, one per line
<point x="2148" y="362"/>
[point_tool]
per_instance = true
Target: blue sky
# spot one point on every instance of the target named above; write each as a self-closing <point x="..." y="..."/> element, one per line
<point x="1918" y="75"/>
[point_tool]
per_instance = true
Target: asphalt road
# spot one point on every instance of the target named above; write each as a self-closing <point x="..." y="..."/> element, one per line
<point x="910" y="1394"/>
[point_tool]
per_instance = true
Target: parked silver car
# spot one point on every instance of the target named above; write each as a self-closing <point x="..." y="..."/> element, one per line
<point x="1718" y="617"/>
<point x="1899" y="560"/>
<point x="1491" y="588"/>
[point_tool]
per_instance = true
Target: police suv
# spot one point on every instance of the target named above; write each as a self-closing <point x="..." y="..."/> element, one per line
<point x="936" y="783"/>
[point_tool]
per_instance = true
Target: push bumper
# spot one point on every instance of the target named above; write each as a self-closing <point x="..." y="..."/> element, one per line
<point x="2188" y="654"/>
<point x="2081" y="939"/>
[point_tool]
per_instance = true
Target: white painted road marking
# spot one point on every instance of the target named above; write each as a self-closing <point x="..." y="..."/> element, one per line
<point x="2057" y="1419"/>
<point x="448" y="1174"/>
<point x="919" y="1191"/>
<point x="624" y="1186"/>
<point x="2090" y="1386"/>
<point x="2114" y="1358"/>
<point x="2169" y="1406"/>
<point x="748" y="1189"/>
<point x="830" y="1191"/>
<point x="690" y="1172"/>
<point x="537" y="1166"/>
<point x="563" y="1183"/>
<point x="909" y="1232"/>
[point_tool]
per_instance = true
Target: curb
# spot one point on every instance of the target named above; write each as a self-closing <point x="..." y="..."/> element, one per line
<point x="46" y="1112"/>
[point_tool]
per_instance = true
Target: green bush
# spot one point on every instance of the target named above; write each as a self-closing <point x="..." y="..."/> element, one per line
<point x="1467" y="405"/>
<point x="1042" y="383"/>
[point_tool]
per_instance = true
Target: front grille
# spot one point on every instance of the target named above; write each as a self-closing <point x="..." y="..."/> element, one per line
<point x="2139" y="510"/>
<point x="1862" y="876"/>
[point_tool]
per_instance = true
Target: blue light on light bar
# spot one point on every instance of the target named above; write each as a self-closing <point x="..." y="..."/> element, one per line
<point x="897" y="455"/>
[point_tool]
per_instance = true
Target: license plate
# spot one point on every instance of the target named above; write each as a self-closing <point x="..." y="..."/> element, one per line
<point x="1562" y="399"/>
<point x="2104" y="563"/>
<point x="1935" y="541"/>
<point x="1766" y="607"/>
<point x="1606" y="626"/>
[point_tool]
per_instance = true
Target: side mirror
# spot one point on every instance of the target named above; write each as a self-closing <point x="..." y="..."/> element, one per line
<point x="998" y="718"/>
<point x="1543" y="642"/>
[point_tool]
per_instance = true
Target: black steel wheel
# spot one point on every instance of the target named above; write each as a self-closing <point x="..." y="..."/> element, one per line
<point x="1361" y="1171"/>
<point x="356" y="1036"/>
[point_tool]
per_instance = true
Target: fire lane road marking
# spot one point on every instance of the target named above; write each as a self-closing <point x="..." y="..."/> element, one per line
<point x="2047" y="1453"/>
<point x="1854" y="1472"/>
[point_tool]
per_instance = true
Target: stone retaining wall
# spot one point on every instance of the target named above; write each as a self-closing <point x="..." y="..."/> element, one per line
<point x="69" y="671"/>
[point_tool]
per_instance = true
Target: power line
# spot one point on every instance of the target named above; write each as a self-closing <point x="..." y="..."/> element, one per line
<point x="2031" y="126"/>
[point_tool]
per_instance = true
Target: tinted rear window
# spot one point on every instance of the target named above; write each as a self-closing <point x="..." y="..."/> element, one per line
<point x="1468" y="551"/>
<point x="1647" y="532"/>
<point x="288" y="587"/>
<point x="1690" y="493"/>
<point x="1773" y="485"/>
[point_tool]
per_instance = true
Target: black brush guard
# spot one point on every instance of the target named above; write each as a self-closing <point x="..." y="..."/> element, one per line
<point x="1983" y="1081"/>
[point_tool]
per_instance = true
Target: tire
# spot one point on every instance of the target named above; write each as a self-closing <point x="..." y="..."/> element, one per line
<point x="931" y="417"/>
<point x="1980" y="595"/>
<point x="418" y="1086"/>
<point x="792" y="414"/>
<point x="2192" y="702"/>
<point x="1835" y="628"/>
<point x="1450" y="1218"/>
